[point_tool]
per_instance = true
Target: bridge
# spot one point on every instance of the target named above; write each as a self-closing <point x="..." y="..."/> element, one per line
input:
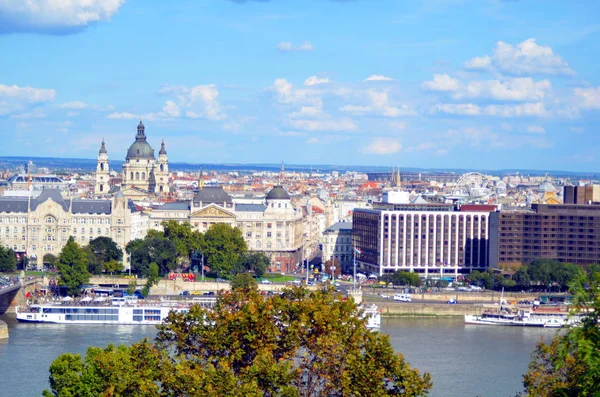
<point x="14" y="295"/>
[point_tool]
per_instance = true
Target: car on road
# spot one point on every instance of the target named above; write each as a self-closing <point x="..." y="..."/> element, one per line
<point x="220" y="280"/>
<point x="525" y="302"/>
<point x="384" y="296"/>
<point x="403" y="297"/>
<point x="296" y="282"/>
<point x="184" y="293"/>
<point x="196" y="292"/>
<point x="265" y="281"/>
<point x="209" y="293"/>
<point x="452" y="301"/>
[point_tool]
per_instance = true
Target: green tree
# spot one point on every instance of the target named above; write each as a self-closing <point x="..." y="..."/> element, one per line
<point x="256" y="262"/>
<point x="8" y="259"/>
<point x="112" y="266"/>
<point x="401" y="277"/>
<point x="50" y="260"/>
<point x="223" y="245"/>
<point x="72" y="267"/>
<point x="122" y="371"/>
<point x="157" y="249"/>
<point x="570" y="364"/>
<point x="186" y="240"/>
<point x="101" y="250"/>
<point x="131" y="287"/>
<point x="151" y="279"/>
<point x="243" y="281"/>
<point x="249" y="345"/>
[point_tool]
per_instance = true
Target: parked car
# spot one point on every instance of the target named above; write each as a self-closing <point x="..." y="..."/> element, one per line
<point x="184" y="293"/>
<point x="265" y="281"/>
<point x="209" y="293"/>
<point x="220" y="280"/>
<point x="403" y="297"/>
<point x="525" y="302"/>
<point x="196" y="292"/>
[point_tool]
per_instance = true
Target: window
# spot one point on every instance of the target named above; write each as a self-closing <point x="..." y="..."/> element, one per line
<point x="268" y="234"/>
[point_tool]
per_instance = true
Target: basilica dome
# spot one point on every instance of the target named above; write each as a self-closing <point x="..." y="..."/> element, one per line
<point x="140" y="149"/>
<point x="278" y="193"/>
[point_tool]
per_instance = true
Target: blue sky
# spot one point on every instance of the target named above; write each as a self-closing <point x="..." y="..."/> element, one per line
<point x="484" y="84"/>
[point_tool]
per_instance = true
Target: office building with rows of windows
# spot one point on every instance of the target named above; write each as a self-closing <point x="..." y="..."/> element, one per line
<point x="566" y="233"/>
<point x="434" y="243"/>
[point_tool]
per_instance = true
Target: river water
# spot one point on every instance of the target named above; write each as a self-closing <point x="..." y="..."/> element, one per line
<point x="462" y="360"/>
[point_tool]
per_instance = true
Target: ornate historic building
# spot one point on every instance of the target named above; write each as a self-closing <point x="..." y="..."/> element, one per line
<point x="143" y="174"/>
<point x="42" y="225"/>
<point x="274" y="227"/>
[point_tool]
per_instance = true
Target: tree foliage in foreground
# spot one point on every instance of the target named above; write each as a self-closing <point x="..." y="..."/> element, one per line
<point x="570" y="364"/>
<point x="300" y="344"/>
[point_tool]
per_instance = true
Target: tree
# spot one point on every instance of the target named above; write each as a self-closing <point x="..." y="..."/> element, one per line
<point x="151" y="279"/>
<point x="157" y="249"/>
<point x="122" y="371"/>
<point x="570" y="364"/>
<point x="243" y="281"/>
<point x="403" y="278"/>
<point x="8" y="260"/>
<point x="112" y="266"/>
<point x="302" y="344"/>
<point x="186" y="240"/>
<point x="131" y="287"/>
<point x="223" y="245"/>
<point x="50" y="260"/>
<point x="256" y="262"/>
<point x="72" y="267"/>
<point x="102" y="250"/>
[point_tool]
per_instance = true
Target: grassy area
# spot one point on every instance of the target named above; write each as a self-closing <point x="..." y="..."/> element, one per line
<point x="278" y="278"/>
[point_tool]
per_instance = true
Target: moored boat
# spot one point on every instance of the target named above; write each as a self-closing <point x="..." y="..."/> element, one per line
<point x="554" y="317"/>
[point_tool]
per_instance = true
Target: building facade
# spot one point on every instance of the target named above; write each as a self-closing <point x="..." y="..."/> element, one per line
<point x="336" y="245"/>
<point x="274" y="227"/>
<point x="427" y="242"/>
<point x="566" y="233"/>
<point x="42" y="225"/>
<point x="102" y="172"/>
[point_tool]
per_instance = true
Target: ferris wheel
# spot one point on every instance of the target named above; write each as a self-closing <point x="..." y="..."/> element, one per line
<point x="473" y="184"/>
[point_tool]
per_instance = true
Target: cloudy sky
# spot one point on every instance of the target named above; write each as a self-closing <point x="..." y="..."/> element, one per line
<point x="484" y="84"/>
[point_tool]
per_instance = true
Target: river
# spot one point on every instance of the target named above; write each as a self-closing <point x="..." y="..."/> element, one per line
<point x="462" y="360"/>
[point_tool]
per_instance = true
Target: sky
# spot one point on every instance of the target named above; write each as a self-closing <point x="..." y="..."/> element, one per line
<point x="479" y="84"/>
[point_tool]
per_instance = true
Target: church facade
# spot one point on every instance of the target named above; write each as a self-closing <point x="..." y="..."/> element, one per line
<point x="143" y="174"/>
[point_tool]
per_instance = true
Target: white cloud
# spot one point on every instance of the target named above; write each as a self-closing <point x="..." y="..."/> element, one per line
<point x="171" y="109"/>
<point x="511" y="89"/>
<point x="518" y="89"/>
<point x="54" y="16"/>
<point x="536" y="109"/>
<point x="479" y="63"/>
<point x="308" y="112"/>
<point x="287" y="94"/>
<point x="123" y="116"/>
<point x="441" y="82"/>
<point x="382" y="146"/>
<point x="29" y="115"/>
<point x="378" y="77"/>
<point x="324" y="125"/>
<point x="200" y="101"/>
<point x="314" y="80"/>
<point x="17" y="99"/>
<point x="526" y="58"/>
<point x="535" y="129"/>
<point x="312" y="141"/>
<point x="73" y="105"/>
<point x="466" y="109"/>
<point x="378" y="103"/>
<point x="588" y="98"/>
<point x="577" y="130"/>
<point x="286" y="46"/>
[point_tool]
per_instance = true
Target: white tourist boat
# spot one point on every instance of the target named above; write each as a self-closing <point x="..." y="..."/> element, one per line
<point x="372" y="314"/>
<point x="551" y="317"/>
<point x="115" y="311"/>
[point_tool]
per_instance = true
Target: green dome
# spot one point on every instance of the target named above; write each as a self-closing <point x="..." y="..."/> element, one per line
<point x="140" y="149"/>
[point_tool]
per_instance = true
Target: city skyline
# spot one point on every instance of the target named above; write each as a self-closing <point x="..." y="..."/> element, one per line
<point x="430" y="84"/>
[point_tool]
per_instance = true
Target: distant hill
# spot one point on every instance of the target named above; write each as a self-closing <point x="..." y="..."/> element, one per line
<point x="74" y="164"/>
